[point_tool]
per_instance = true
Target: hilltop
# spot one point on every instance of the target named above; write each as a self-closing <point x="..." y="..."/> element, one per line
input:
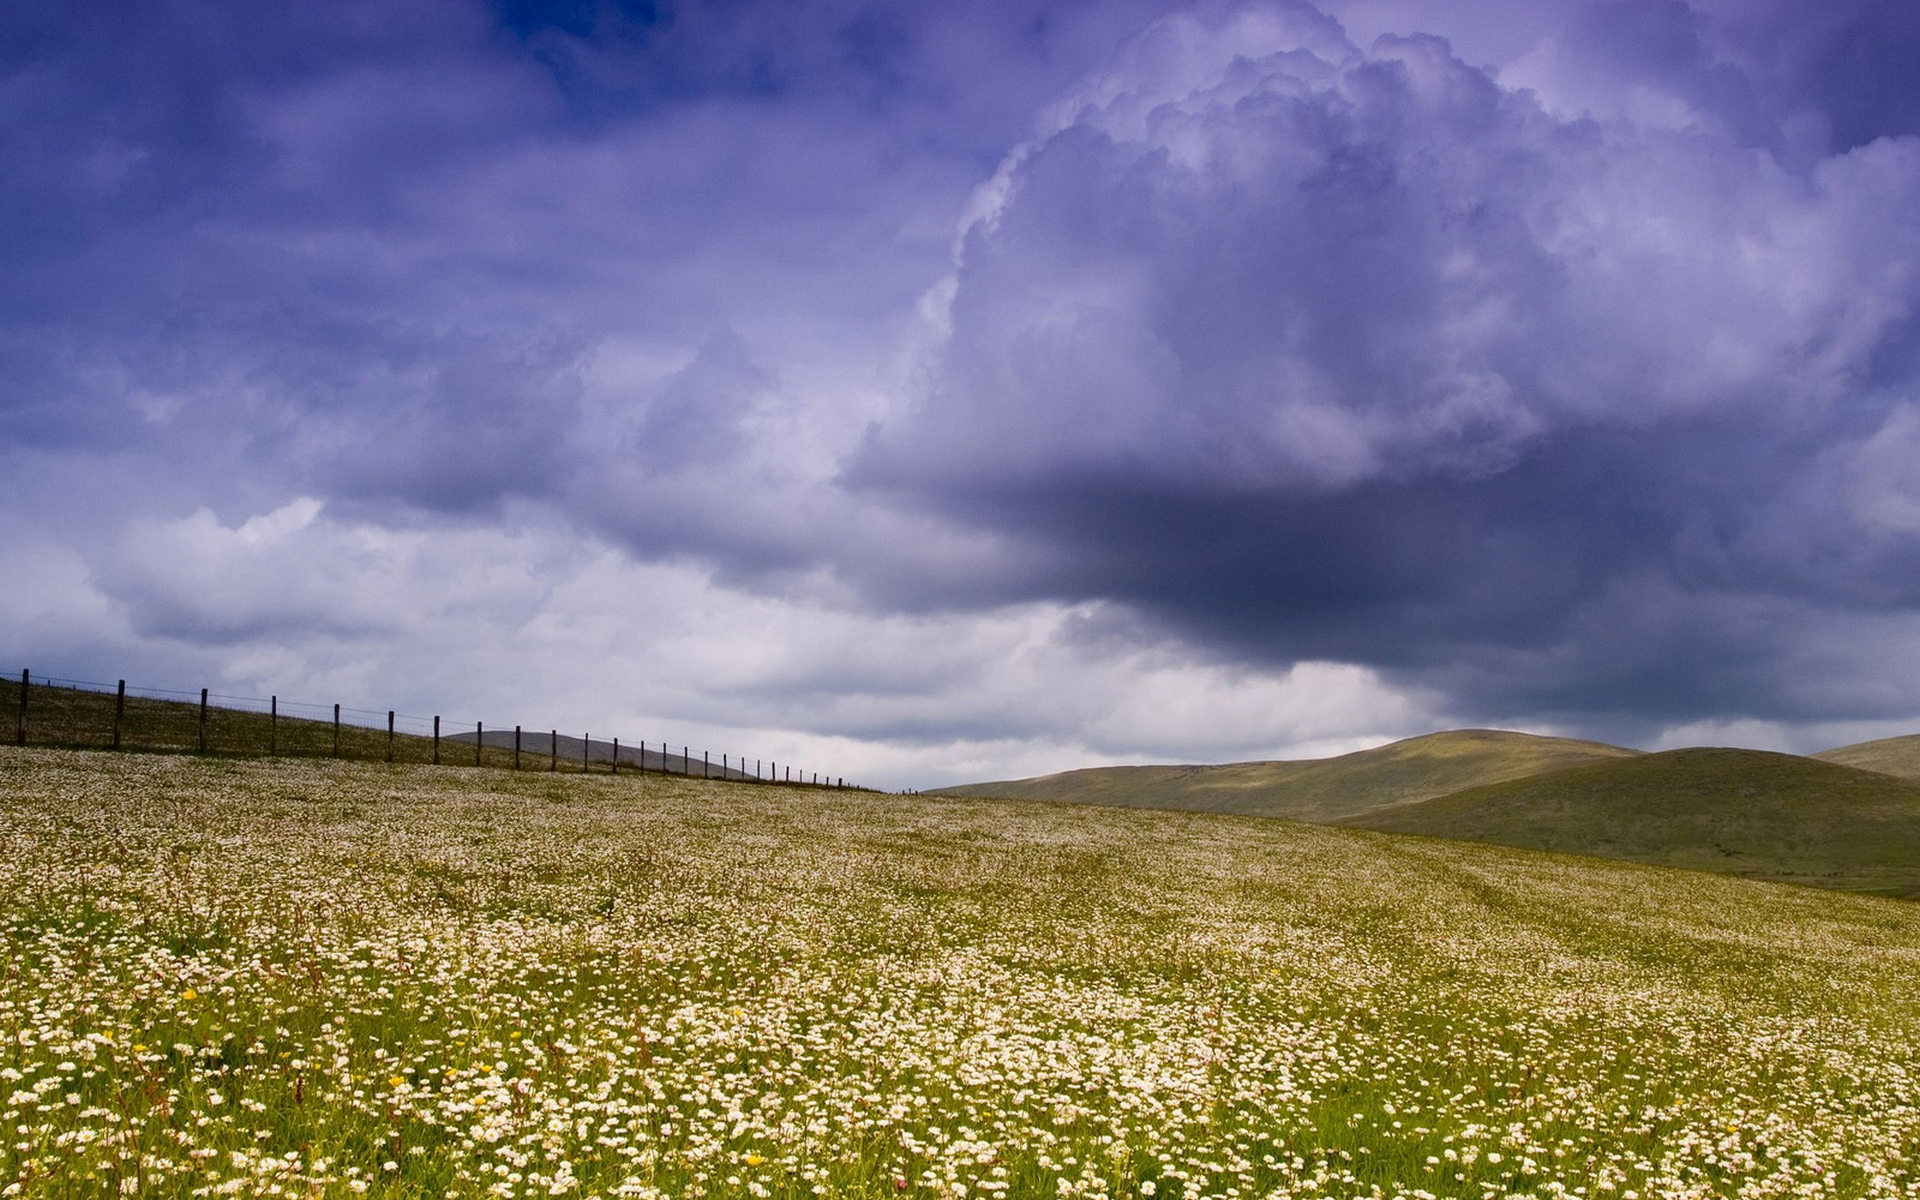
<point x="1898" y="756"/>
<point x="1323" y="790"/>
<point x="1743" y="812"/>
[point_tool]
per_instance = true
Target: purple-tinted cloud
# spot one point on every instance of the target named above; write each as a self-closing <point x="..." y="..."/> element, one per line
<point x="1327" y="353"/>
<point x="1552" y="363"/>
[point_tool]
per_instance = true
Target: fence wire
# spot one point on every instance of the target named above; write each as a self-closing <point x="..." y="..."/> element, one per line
<point x="84" y="713"/>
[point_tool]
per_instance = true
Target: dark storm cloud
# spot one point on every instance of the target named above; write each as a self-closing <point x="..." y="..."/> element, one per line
<point x="1323" y="353"/>
<point x="1567" y="370"/>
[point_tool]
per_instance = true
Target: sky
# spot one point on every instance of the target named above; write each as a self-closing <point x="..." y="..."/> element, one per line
<point x="935" y="393"/>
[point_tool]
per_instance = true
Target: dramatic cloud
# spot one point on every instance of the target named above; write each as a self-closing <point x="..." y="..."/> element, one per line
<point x="1318" y="352"/>
<point x="962" y="390"/>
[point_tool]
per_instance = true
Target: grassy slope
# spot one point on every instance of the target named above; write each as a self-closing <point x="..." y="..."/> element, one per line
<point x="77" y="718"/>
<point x="1325" y="789"/>
<point x="1899" y="756"/>
<point x="319" y="978"/>
<point x="1744" y="812"/>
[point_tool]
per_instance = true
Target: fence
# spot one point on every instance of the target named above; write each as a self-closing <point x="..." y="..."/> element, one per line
<point x="78" y="713"/>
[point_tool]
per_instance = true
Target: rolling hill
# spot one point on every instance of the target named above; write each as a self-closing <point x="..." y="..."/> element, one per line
<point x="1742" y="812"/>
<point x="1324" y="790"/>
<point x="1898" y="756"/>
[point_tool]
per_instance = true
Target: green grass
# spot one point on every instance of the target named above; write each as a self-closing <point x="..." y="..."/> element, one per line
<point x="1326" y="789"/>
<point x="1897" y="756"/>
<point x="1745" y="812"/>
<point x="318" y="978"/>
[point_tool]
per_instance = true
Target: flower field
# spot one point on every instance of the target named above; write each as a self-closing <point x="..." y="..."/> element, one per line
<point x="318" y="978"/>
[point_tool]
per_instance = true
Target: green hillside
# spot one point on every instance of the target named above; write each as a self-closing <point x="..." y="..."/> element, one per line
<point x="1325" y="789"/>
<point x="1742" y="812"/>
<point x="232" y="976"/>
<point x="1890" y="756"/>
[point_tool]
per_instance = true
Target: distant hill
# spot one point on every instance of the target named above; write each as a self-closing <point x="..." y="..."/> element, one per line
<point x="1323" y="789"/>
<point x="1742" y="812"/>
<point x="1898" y="756"/>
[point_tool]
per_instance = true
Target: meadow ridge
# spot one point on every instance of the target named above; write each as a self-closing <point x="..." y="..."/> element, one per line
<point x="317" y="978"/>
<point x="1744" y="812"/>
<point x="91" y="717"/>
<point x="1897" y="756"/>
<point x="1315" y="789"/>
<point x="1847" y="818"/>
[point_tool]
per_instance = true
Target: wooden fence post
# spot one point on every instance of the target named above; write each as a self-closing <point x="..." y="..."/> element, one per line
<point x="686" y="760"/>
<point x="119" y="712"/>
<point x="273" y="726"/>
<point x="479" y="736"/>
<point x="516" y="747"/>
<point x="25" y="678"/>
<point x="336" y="731"/>
<point x="586" y="755"/>
<point x="436" y="739"/>
<point x="203" y="720"/>
<point x="389" y="735"/>
<point x="553" y="749"/>
<point x="706" y="765"/>
<point x="616" y="756"/>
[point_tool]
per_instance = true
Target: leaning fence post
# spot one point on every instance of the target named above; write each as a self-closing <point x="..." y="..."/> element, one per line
<point x="203" y="720"/>
<point x="336" y="731"/>
<point x="389" y="735"/>
<point x="119" y="712"/>
<point x="273" y="726"/>
<point x="25" y="678"/>
<point x="436" y="740"/>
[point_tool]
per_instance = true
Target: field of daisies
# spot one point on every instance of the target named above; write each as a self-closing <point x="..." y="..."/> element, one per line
<point x="317" y="979"/>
